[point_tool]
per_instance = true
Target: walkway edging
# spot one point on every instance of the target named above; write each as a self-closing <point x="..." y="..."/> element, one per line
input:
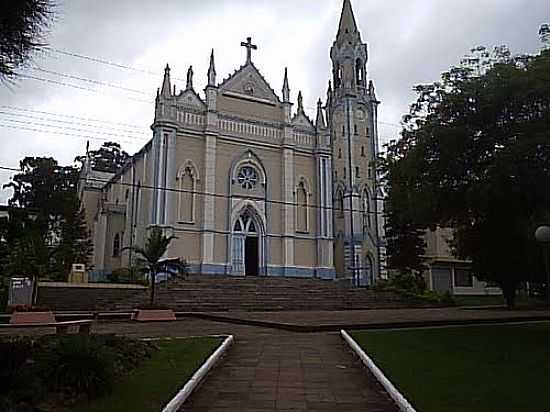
<point x="397" y="396"/>
<point x="176" y="403"/>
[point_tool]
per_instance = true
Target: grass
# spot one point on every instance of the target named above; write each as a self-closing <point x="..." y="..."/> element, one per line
<point x="481" y="368"/>
<point x="158" y="379"/>
<point x="489" y="300"/>
<point x="478" y="300"/>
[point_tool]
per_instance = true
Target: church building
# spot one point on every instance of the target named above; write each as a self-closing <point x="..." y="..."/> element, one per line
<point x="247" y="182"/>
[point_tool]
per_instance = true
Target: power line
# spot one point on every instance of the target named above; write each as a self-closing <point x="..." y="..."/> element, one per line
<point x="214" y="195"/>
<point x="126" y="67"/>
<point x="108" y="63"/>
<point x="74" y="86"/>
<point x="27" y="116"/>
<point x="75" y="129"/>
<point x="88" y="119"/>
<point x="92" y="81"/>
<point x="80" y="136"/>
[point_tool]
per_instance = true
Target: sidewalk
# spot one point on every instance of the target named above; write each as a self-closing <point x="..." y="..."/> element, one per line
<point x="322" y="321"/>
<point x="282" y="371"/>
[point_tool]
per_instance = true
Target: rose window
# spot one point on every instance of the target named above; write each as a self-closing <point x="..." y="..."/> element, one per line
<point x="248" y="177"/>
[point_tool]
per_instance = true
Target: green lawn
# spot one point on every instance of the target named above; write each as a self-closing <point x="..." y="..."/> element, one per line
<point x="479" y="368"/>
<point x="158" y="379"/>
<point x="485" y="300"/>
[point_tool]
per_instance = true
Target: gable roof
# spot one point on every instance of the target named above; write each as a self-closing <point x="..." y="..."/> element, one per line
<point x="302" y="121"/>
<point x="190" y="98"/>
<point x="248" y="81"/>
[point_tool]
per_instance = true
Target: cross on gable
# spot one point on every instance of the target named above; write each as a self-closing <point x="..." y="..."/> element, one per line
<point x="249" y="47"/>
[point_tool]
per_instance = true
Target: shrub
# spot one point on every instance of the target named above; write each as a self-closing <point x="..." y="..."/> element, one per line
<point x="20" y="386"/>
<point x="128" y="352"/>
<point x="78" y="365"/>
<point x="128" y="275"/>
<point x="413" y="287"/>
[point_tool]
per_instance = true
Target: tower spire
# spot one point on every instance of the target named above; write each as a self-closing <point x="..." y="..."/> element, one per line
<point x="348" y="25"/>
<point x="166" y="90"/>
<point x="212" y="71"/>
<point x="286" y="88"/>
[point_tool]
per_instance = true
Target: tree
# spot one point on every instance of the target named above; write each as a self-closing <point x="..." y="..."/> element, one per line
<point x="108" y="158"/>
<point x="22" y="28"/>
<point x="475" y="156"/>
<point x="151" y="254"/>
<point x="45" y="209"/>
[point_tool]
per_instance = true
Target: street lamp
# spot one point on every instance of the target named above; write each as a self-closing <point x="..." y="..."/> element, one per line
<point x="542" y="234"/>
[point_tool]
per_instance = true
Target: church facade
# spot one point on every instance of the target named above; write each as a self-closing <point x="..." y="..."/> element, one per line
<point x="247" y="182"/>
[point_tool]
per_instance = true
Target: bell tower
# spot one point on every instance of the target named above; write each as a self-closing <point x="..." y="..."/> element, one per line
<point x="352" y="117"/>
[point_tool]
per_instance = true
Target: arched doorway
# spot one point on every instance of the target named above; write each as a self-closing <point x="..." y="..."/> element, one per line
<point x="246" y="244"/>
<point x="369" y="271"/>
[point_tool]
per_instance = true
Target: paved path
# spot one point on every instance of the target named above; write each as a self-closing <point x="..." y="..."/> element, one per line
<point x="335" y="320"/>
<point x="276" y="370"/>
<point x="272" y="370"/>
<point x="283" y="371"/>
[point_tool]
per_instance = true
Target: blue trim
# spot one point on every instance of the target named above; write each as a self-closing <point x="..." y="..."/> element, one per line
<point x="295" y="272"/>
<point x="274" y="271"/>
<point x="205" y="269"/>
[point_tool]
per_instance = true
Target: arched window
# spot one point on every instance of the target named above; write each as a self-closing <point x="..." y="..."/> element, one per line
<point x="359" y="72"/>
<point x="116" y="245"/>
<point x="187" y="187"/>
<point x="340" y="203"/>
<point x="366" y="210"/>
<point x="337" y="76"/>
<point x="302" y="208"/>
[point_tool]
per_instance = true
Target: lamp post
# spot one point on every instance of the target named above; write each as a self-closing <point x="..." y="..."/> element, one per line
<point x="542" y="234"/>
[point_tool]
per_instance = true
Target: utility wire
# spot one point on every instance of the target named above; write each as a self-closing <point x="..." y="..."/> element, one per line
<point x="75" y="129"/>
<point x="92" y="81"/>
<point x="80" y="136"/>
<point x="88" y="119"/>
<point x="126" y="67"/>
<point x="108" y="63"/>
<point x="74" y="86"/>
<point x="92" y="126"/>
<point x="207" y="194"/>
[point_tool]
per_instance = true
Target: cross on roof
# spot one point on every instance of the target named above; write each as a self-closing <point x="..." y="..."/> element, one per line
<point x="249" y="47"/>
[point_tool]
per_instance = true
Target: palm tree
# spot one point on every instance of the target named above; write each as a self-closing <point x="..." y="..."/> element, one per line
<point x="156" y="246"/>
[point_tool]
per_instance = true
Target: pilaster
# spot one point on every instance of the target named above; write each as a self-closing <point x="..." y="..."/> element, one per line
<point x="209" y="200"/>
<point x="288" y="208"/>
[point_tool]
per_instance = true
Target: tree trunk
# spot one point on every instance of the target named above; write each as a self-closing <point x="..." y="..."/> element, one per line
<point x="509" y="292"/>
<point x="153" y="286"/>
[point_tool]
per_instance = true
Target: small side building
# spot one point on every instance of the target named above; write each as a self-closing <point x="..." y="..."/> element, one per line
<point x="446" y="273"/>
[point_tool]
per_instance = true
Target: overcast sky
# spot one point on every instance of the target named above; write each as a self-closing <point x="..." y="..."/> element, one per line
<point x="410" y="42"/>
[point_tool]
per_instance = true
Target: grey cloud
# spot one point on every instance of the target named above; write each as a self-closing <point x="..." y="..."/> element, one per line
<point x="410" y="41"/>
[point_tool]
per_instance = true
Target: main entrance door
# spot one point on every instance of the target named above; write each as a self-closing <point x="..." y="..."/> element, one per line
<point x="246" y="246"/>
<point x="251" y="258"/>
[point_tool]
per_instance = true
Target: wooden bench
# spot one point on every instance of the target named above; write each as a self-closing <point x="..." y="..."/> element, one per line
<point x="26" y="320"/>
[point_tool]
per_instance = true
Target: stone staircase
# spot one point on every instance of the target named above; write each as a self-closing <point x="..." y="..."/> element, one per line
<point x="223" y="293"/>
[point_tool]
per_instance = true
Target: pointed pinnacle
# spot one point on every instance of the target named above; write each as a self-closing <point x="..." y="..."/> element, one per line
<point x="347" y="20"/>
